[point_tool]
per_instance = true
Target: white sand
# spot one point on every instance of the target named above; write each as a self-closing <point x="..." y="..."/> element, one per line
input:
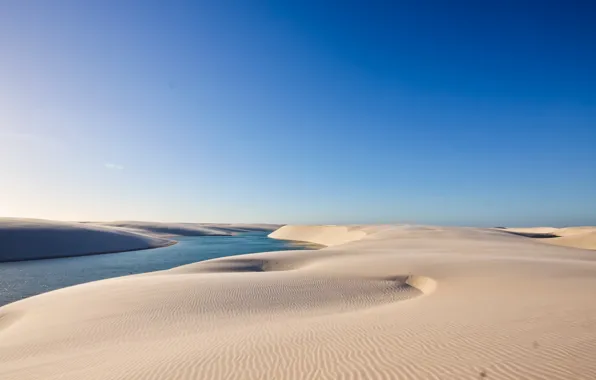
<point x="578" y="237"/>
<point x="186" y="229"/>
<point x="323" y="235"/>
<point x="27" y="239"/>
<point x="402" y="302"/>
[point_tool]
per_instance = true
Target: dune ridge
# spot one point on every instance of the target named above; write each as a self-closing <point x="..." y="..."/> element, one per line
<point x="578" y="237"/>
<point x="323" y="235"/>
<point x="171" y="230"/>
<point x="399" y="302"/>
<point x="30" y="239"/>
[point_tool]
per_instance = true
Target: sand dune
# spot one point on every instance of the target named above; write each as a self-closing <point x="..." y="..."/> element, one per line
<point x="27" y="239"/>
<point x="186" y="229"/>
<point x="401" y="302"/>
<point x="324" y="235"/>
<point x="577" y="237"/>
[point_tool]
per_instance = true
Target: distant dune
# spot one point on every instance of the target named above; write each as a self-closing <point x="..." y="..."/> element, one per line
<point x="380" y="302"/>
<point x="187" y="229"/>
<point x="577" y="237"/>
<point x="27" y="239"/>
<point x="324" y="235"/>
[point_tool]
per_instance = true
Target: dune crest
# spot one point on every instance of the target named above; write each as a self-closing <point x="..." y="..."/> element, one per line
<point x="576" y="237"/>
<point x="170" y="230"/>
<point x="29" y="239"/>
<point x="323" y="235"/>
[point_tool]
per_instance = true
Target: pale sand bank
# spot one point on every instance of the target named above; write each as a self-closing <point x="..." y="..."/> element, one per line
<point x="169" y="230"/>
<point x="400" y="302"/>
<point x="578" y="237"/>
<point x="323" y="235"/>
<point x="28" y="239"/>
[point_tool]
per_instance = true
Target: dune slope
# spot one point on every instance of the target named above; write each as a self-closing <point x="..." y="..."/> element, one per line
<point x="186" y="229"/>
<point x="578" y="237"/>
<point x="324" y="235"/>
<point x="28" y="239"/>
<point x="401" y="302"/>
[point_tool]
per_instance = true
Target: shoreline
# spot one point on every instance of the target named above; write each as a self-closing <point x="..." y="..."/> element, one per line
<point x="193" y="252"/>
<point x="39" y="239"/>
<point x="170" y="243"/>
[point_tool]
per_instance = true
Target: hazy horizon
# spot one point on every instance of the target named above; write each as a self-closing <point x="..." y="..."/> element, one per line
<point x="459" y="113"/>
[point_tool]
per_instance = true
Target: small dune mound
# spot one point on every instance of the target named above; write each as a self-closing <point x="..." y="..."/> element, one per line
<point x="310" y="295"/>
<point x="255" y="262"/>
<point x="299" y="290"/>
<point x="222" y="266"/>
<point x="262" y="263"/>
<point x="576" y="237"/>
<point x="324" y="235"/>
<point x="425" y="284"/>
<point x="285" y="261"/>
<point x="29" y="239"/>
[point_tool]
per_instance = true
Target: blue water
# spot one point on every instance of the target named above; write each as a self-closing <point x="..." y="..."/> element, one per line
<point x="23" y="279"/>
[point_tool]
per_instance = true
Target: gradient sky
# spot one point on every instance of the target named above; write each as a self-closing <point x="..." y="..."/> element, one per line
<point x="440" y="112"/>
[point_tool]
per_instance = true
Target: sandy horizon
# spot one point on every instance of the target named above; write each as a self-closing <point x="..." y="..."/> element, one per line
<point x="379" y="302"/>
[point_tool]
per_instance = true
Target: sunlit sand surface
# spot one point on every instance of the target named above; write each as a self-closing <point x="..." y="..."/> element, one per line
<point x="380" y="302"/>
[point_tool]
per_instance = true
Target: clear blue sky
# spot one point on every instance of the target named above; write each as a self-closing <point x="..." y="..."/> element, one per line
<point x="441" y="112"/>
